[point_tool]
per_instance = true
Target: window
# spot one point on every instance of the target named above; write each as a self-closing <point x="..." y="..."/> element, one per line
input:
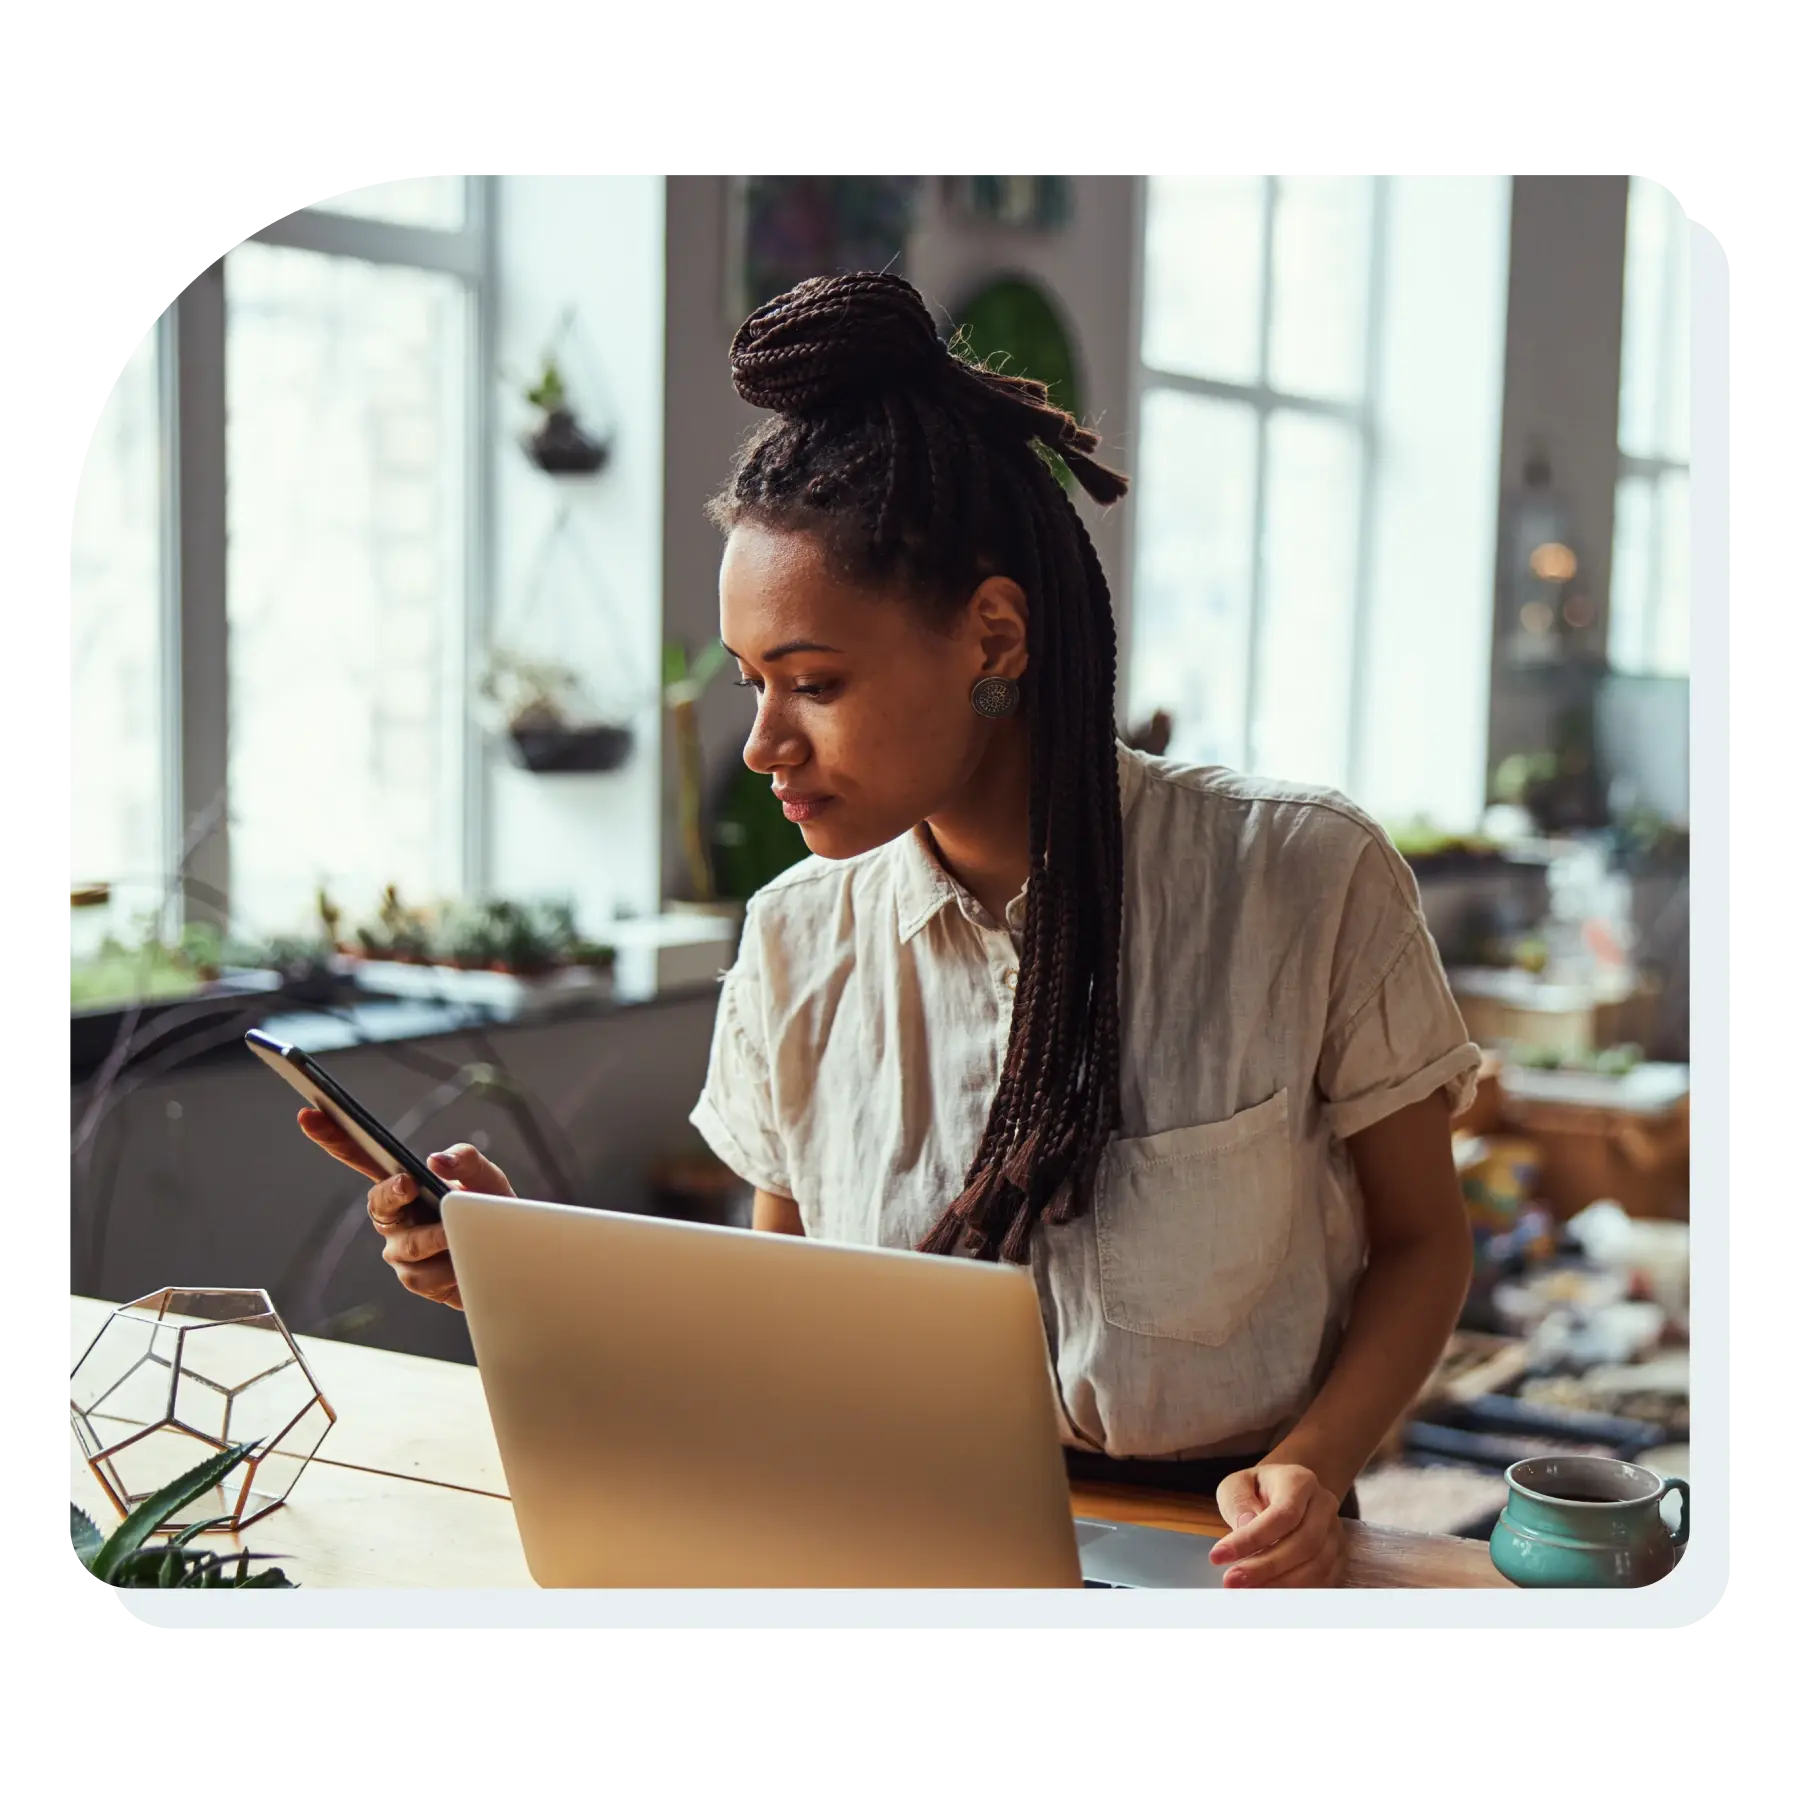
<point x="306" y="418"/>
<point x="1254" y="449"/>
<point x="1649" y="607"/>
<point x="1317" y="447"/>
<point x="344" y="505"/>
<point x="117" y="640"/>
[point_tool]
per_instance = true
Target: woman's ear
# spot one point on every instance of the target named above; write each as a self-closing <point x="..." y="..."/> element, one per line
<point x="999" y="617"/>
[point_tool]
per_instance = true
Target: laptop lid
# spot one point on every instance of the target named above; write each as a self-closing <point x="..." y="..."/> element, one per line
<point x="683" y="1405"/>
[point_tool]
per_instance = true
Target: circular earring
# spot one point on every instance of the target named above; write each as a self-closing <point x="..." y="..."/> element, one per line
<point x="995" y="696"/>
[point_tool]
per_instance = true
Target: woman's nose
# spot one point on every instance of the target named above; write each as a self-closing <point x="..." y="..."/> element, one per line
<point x="771" y="747"/>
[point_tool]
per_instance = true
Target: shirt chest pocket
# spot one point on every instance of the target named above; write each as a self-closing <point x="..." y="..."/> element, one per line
<point x="1192" y="1225"/>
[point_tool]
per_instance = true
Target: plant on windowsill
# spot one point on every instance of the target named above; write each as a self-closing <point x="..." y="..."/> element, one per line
<point x="499" y="952"/>
<point x="540" y="701"/>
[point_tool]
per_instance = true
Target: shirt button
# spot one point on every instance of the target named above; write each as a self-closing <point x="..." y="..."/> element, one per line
<point x="1011" y="978"/>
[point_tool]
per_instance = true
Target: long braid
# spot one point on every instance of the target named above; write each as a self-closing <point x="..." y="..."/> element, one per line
<point x="918" y="467"/>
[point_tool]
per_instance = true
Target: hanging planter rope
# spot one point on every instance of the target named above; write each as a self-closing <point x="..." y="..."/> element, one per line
<point x="541" y="705"/>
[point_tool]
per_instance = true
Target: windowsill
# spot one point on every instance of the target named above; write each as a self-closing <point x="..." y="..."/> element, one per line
<point x="350" y="1019"/>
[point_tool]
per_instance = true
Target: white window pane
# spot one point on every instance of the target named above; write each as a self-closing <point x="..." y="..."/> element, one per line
<point x="1676" y="356"/>
<point x="1203" y="253"/>
<point x="1300" y="722"/>
<point x="1674" y="611"/>
<point x="1319" y="320"/>
<point x="344" y="438"/>
<point x="1195" y="495"/>
<point x="435" y="200"/>
<point x="1653" y="363"/>
<point x="1632" y="604"/>
<point x="116" y="641"/>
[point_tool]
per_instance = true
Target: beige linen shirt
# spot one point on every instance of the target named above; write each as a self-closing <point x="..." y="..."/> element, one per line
<point x="1278" y="994"/>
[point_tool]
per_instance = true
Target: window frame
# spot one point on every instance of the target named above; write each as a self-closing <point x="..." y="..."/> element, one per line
<point x="195" y="674"/>
<point x="1652" y="470"/>
<point x="1264" y="401"/>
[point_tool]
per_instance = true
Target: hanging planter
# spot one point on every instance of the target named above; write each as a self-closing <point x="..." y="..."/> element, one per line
<point x="560" y="444"/>
<point x="560" y="447"/>
<point x="559" y="707"/>
<point x="570" y="750"/>
<point x="538" y="708"/>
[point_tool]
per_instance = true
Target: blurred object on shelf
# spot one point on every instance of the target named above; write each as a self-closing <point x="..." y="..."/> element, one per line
<point x="1651" y="1253"/>
<point x="1654" y="1391"/>
<point x="671" y="952"/>
<point x="1506" y="821"/>
<point x="1588" y="933"/>
<point x="1575" y="1319"/>
<point x="1153" y="735"/>
<point x="1428" y="848"/>
<point x="1619" y="1081"/>
<point x="1631" y="1149"/>
<point x="1552" y="618"/>
<point x="1520" y="1010"/>
<point x="1499" y="1182"/>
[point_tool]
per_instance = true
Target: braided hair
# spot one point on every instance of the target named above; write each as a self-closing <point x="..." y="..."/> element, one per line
<point x="918" y="470"/>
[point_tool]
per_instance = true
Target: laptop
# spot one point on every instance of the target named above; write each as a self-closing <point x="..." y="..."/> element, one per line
<point x="693" y="1406"/>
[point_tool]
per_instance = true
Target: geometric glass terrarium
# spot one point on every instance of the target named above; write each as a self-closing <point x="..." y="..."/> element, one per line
<point x="180" y="1374"/>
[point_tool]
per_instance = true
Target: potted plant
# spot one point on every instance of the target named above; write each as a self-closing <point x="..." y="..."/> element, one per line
<point x="127" y="1559"/>
<point x="752" y="841"/>
<point x="491" y="952"/>
<point x="559" y="445"/>
<point x="540" y="703"/>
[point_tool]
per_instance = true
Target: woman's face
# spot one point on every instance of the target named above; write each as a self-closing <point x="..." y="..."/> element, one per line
<point x="863" y="722"/>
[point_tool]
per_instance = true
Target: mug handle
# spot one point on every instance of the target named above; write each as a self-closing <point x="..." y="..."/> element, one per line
<point x="1675" y="1482"/>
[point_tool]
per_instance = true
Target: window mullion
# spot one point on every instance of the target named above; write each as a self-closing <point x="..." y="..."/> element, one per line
<point x="1260" y="508"/>
<point x="1362" y="598"/>
<point x="198" y="670"/>
<point x="479" y="539"/>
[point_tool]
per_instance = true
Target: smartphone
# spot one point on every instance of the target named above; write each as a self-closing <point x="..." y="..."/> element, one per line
<point x="318" y="1089"/>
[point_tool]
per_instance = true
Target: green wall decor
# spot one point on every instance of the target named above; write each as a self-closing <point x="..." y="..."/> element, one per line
<point x="1012" y="325"/>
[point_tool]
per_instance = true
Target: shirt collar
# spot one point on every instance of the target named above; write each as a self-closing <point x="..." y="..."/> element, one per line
<point x="926" y="888"/>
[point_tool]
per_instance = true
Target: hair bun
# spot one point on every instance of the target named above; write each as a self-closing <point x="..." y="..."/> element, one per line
<point x="833" y="341"/>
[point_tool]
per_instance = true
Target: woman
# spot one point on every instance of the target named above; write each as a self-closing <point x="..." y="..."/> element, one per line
<point x="1176" y="1039"/>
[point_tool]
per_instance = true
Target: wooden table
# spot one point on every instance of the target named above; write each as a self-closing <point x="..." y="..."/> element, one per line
<point x="408" y="1492"/>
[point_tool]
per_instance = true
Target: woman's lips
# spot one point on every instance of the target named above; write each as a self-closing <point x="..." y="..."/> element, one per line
<point x="802" y="807"/>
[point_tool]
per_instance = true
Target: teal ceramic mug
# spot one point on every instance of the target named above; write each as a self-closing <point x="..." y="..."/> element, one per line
<point x="1586" y="1522"/>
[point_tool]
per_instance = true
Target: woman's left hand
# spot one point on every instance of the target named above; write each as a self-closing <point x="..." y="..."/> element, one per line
<point x="1286" y="1530"/>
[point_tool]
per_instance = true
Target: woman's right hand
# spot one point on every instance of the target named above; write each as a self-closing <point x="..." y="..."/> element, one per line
<point x="415" y="1245"/>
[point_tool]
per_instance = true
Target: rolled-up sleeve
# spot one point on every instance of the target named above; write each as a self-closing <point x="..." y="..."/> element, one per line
<point x="736" y="1111"/>
<point x="1394" y="1034"/>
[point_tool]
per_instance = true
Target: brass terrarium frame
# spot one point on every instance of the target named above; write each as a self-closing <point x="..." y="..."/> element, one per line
<point x="216" y="1366"/>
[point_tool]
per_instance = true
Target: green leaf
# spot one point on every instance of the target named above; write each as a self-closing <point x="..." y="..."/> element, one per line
<point x="85" y="1536"/>
<point x="189" y="1533"/>
<point x="153" y="1566"/>
<point x="708" y="664"/>
<point x="265" y="1579"/>
<point x="155" y="1509"/>
<point x="675" y="664"/>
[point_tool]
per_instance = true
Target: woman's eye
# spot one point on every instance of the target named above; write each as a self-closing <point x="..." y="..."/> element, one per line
<point x="744" y="681"/>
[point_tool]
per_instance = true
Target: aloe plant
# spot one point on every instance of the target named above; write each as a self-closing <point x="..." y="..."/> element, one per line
<point x="128" y="1560"/>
